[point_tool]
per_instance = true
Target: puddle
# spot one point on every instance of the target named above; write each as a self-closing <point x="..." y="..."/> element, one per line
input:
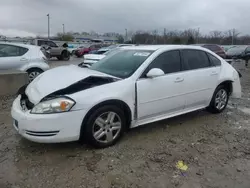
<point x="245" y="110"/>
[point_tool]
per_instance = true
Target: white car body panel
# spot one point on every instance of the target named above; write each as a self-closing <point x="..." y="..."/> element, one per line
<point x="149" y="100"/>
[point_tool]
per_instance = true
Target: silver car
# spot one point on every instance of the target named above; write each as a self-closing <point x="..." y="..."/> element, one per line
<point x="27" y="58"/>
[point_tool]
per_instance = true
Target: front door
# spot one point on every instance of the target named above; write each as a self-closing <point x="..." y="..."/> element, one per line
<point x="164" y="94"/>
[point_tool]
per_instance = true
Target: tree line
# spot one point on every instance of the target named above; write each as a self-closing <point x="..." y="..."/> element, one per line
<point x="189" y="36"/>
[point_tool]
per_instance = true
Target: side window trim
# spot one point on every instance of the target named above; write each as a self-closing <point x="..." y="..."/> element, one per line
<point x="212" y="63"/>
<point x="146" y="69"/>
<point x="209" y="60"/>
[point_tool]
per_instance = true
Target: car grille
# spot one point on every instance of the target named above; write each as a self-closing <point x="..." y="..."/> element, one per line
<point x="41" y="133"/>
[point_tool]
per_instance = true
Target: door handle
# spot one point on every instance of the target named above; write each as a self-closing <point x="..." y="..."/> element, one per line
<point x="179" y="80"/>
<point x="23" y="59"/>
<point x="213" y="73"/>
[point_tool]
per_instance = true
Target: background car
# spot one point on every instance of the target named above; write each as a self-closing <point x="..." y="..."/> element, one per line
<point x="90" y="59"/>
<point x="100" y="51"/>
<point x="73" y="50"/>
<point x="214" y="48"/>
<point x="23" y="57"/>
<point x="86" y="49"/>
<point x="235" y="52"/>
<point x="60" y="52"/>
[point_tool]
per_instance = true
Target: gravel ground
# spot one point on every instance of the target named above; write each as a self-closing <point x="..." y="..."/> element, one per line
<point x="216" y="149"/>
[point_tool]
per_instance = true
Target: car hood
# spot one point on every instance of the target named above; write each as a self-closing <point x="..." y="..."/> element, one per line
<point x="94" y="56"/>
<point x="72" y="78"/>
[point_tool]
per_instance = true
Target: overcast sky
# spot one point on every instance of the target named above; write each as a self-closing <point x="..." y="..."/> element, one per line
<point x="28" y="17"/>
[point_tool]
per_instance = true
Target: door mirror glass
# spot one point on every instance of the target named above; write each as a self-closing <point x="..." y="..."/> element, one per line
<point x="155" y="72"/>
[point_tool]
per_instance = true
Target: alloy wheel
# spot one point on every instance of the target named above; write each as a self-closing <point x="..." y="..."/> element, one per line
<point x="33" y="75"/>
<point x="107" y="127"/>
<point x="221" y="99"/>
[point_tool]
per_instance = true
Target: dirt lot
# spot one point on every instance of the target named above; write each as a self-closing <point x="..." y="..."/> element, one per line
<point x="216" y="149"/>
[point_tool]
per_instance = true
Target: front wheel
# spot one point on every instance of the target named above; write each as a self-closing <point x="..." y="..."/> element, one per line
<point x="104" y="127"/>
<point x="219" y="100"/>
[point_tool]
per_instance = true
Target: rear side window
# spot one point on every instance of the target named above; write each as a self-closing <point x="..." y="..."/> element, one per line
<point x="215" y="61"/>
<point x="195" y="59"/>
<point x="12" y="51"/>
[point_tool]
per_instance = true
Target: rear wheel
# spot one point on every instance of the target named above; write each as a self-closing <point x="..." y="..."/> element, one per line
<point x="219" y="100"/>
<point x="104" y="127"/>
<point x="33" y="73"/>
<point x="65" y="56"/>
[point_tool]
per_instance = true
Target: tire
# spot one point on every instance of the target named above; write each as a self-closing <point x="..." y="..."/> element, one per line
<point x="65" y="56"/>
<point x="219" y="100"/>
<point x="79" y="56"/>
<point x="110" y="133"/>
<point x="33" y="73"/>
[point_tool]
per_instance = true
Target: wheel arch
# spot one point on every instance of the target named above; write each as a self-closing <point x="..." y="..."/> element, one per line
<point x="64" y="51"/>
<point x="228" y="84"/>
<point x="116" y="102"/>
<point x="34" y="68"/>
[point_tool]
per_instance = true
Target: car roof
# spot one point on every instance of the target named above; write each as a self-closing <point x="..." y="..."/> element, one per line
<point x="205" y="44"/>
<point x="21" y="45"/>
<point x="166" y="47"/>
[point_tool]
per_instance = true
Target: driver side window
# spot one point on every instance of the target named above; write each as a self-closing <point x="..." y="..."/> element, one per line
<point x="168" y="62"/>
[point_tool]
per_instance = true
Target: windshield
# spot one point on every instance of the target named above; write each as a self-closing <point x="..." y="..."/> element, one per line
<point x="122" y="63"/>
<point x="110" y="51"/>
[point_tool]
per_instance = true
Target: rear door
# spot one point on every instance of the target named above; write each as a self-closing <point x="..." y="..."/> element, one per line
<point x="201" y="78"/>
<point x="12" y="57"/>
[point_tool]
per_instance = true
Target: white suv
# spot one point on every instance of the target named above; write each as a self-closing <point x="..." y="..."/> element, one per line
<point x="23" y="57"/>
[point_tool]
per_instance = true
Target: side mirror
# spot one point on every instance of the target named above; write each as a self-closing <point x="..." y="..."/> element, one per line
<point x="155" y="72"/>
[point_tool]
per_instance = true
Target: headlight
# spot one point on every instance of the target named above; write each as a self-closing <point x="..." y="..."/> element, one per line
<point x="56" y="105"/>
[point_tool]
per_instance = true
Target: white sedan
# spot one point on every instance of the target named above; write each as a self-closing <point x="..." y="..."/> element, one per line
<point x="132" y="87"/>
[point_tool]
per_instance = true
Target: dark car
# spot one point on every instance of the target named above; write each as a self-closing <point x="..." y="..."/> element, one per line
<point x="246" y="55"/>
<point x="214" y="48"/>
<point x="91" y="47"/>
<point x="236" y="52"/>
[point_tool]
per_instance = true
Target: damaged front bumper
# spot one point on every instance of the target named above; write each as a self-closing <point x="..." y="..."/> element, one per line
<point x="47" y="128"/>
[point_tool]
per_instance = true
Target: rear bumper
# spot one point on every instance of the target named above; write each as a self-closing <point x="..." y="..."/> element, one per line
<point x="236" y="93"/>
